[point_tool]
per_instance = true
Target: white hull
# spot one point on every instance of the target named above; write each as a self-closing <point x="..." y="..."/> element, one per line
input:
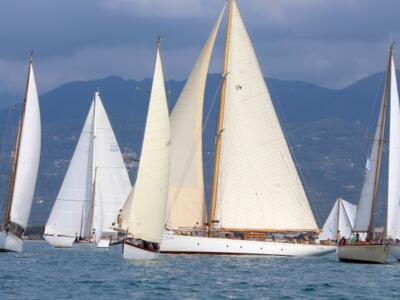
<point x="59" y="241"/>
<point x="10" y="242"/>
<point x="364" y="253"/>
<point x="131" y="252"/>
<point x="103" y="244"/>
<point x="204" y="245"/>
<point x="395" y="251"/>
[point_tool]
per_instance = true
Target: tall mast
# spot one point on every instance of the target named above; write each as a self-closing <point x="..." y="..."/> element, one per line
<point x="11" y="185"/>
<point x="217" y="156"/>
<point x="339" y="202"/>
<point x="380" y="141"/>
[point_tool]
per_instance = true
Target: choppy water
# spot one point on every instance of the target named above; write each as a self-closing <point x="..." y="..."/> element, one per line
<point x="87" y="273"/>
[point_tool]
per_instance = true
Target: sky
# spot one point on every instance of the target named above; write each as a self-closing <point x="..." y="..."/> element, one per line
<point x="325" y="42"/>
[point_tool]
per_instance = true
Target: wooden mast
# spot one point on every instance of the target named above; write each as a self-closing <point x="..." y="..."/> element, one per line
<point x="380" y="143"/>
<point x="217" y="156"/>
<point x="94" y="169"/>
<point x="11" y="185"/>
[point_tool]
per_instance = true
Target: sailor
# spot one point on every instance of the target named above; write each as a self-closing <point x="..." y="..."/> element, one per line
<point x="119" y="220"/>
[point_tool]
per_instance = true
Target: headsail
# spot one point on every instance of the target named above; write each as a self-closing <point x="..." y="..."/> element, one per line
<point x="258" y="184"/>
<point x="27" y="164"/>
<point x="147" y="216"/>
<point x="186" y="203"/>
<point x="72" y="207"/>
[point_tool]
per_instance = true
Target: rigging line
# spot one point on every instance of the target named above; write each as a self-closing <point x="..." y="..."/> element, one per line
<point x="196" y="145"/>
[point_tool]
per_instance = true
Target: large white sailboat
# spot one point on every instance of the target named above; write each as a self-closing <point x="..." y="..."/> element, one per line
<point x="371" y="248"/>
<point x="94" y="188"/>
<point x="148" y="199"/>
<point x="258" y="203"/>
<point x="25" y="165"/>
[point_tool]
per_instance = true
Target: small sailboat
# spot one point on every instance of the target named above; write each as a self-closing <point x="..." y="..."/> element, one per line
<point x="370" y="247"/>
<point x="339" y="223"/>
<point x="258" y="203"/>
<point x="149" y="196"/>
<point x="25" y="165"/>
<point x="94" y="188"/>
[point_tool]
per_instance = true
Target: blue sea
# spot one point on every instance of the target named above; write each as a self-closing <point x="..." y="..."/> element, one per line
<point x="42" y="272"/>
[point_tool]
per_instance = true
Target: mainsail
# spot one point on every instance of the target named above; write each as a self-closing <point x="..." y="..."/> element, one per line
<point x="96" y="183"/>
<point x="186" y="201"/>
<point x="393" y="213"/>
<point x="148" y="208"/>
<point x="23" y="180"/>
<point x="258" y="187"/>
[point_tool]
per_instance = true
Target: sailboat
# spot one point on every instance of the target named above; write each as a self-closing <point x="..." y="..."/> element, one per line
<point x="258" y="204"/>
<point x="94" y="188"/>
<point x="340" y="221"/>
<point x="25" y="165"/>
<point x="371" y="248"/>
<point x="148" y="198"/>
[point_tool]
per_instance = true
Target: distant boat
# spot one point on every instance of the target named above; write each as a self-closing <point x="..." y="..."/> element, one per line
<point x="258" y="204"/>
<point x="147" y="202"/>
<point x="340" y="221"/>
<point x="94" y="188"/>
<point x="25" y="165"/>
<point x="372" y="248"/>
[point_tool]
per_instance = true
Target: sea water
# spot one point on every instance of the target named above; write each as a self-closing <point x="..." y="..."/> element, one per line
<point x="85" y="272"/>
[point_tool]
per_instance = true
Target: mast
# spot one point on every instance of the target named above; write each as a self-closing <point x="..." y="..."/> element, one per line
<point x="380" y="142"/>
<point x="13" y="176"/>
<point x="217" y="156"/>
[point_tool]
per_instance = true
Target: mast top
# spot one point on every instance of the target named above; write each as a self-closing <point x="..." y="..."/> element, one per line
<point x="31" y="57"/>
<point x="158" y="41"/>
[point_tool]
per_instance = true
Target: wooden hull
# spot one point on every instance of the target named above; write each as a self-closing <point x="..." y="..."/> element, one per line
<point x="59" y="241"/>
<point x="394" y="250"/>
<point x="10" y="242"/>
<point x="364" y="253"/>
<point x="133" y="252"/>
<point x="180" y="244"/>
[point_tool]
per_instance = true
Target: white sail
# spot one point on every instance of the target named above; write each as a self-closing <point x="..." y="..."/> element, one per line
<point x="29" y="156"/>
<point x="393" y="213"/>
<point x="340" y="218"/>
<point x="112" y="181"/>
<point x="258" y="184"/>
<point x="186" y="200"/>
<point x="365" y="205"/>
<point x="147" y="217"/>
<point x="73" y="205"/>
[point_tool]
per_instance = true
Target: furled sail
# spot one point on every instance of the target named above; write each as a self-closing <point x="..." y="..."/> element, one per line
<point x="340" y="218"/>
<point x="393" y="213"/>
<point x="258" y="184"/>
<point x="28" y="157"/>
<point x="73" y="205"/>
<point x="147" y="216"/>
<point x="186" y="200"/>
<point x="112" y="181"/>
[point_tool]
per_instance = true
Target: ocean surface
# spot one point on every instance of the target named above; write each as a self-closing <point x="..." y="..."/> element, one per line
<point x="42" y="272"/>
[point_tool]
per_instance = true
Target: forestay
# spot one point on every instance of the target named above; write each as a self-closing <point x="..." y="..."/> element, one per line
<point x="29" y="156"/>
<point x="147" y="216"/>
<point x="258" y="184"/>
<point x="186" y="200"/>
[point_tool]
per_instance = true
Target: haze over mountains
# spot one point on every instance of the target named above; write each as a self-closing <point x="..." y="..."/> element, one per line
<point x="327" y="131"/>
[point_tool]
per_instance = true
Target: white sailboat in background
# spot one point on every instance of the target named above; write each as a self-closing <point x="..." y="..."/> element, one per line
<point x="25" y="167"/>
<point x="258" y="202"/>
<point x="94" y="188"/>
<point x="149" y="195"/>
<point x="369" y="248"/>
<point x="340" y="221"/>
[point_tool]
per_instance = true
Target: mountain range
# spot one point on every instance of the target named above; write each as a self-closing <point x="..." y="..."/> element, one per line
<point x="328" y="132"/>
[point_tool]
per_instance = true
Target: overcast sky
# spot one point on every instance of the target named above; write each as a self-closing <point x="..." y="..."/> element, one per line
<point x="328" y="42"/>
